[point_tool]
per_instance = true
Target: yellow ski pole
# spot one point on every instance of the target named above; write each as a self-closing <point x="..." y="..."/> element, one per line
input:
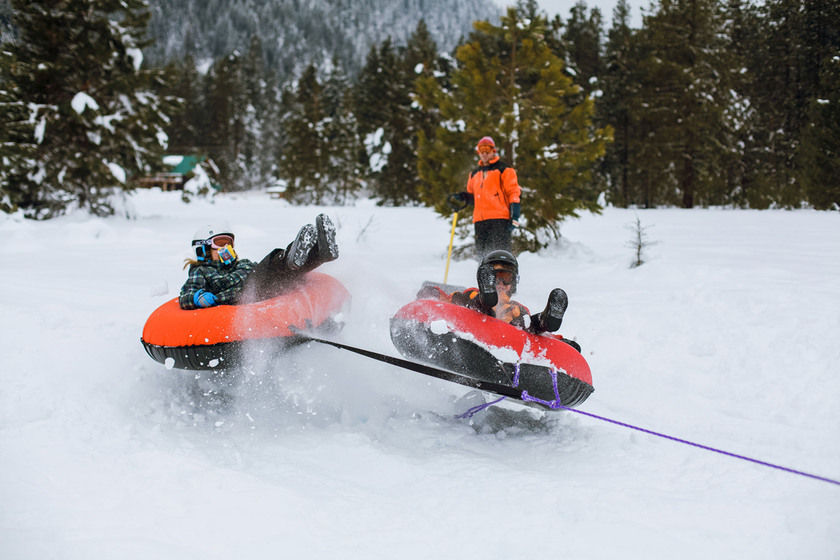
<point x="451" y="239"/>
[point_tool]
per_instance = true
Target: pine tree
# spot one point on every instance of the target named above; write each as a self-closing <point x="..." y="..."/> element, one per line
<point x="96" y="119"/>
<point x="304" y="156"/>
<point x="775" y="63"/>
<point x="226" y="107"/>
<point x="619" y="106"/>
<point x="383" y="109"/>
<point x="422" y="61"/>
<point x="509" y="85"/>
<point x="188" y="123"/>
<point x="372" y="87"/>
<point x="255" y="154"/>
<point x="745" y="162"/>
<point x="583" y="39"/>
<point x="796" y="41"/>
<point x="685" y="99"/>
<point x="388" y="82"/>
<point x="343" y="148"/>
<point x="818" y="157"/>
<point x="17" y="137"/>
<point x="273" y="128"/>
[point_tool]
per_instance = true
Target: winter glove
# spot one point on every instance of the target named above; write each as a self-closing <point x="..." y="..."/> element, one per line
<point x="203" y="298"/>
<point x="460" y="298"/>
<point x="457" y="201"/>
<point x="471" y="300"/>
<point x="488" y="297"/>
<point x="515" y="209"/>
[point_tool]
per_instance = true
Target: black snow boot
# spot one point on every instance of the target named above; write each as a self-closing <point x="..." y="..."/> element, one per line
<point x="487" y="295"/>
<point x="298" y="252"/>
<point x="327" y="247"/>
<point x="552" y="316"/>
<point x="572" y="343"/>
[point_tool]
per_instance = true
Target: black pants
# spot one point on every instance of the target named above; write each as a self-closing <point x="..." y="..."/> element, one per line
<point x="491" y="235"/>
<point x="272" y="276"/>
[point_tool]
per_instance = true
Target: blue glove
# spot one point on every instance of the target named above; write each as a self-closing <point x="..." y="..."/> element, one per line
<point x="515" y="209"/>
<point x="203" y="298"/>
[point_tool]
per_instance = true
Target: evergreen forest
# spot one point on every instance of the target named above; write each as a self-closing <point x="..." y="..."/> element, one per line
<point x="709" y="103"/>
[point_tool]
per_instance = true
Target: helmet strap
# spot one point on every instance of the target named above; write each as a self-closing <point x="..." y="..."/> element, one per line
<point x="201" y="252"/>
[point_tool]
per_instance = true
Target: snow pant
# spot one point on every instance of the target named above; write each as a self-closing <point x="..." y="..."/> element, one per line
<point x="272" y="276"/>
<point x="491" y="235"/>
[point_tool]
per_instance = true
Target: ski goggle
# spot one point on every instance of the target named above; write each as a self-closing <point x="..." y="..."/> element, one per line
<point x="486" y="149"/>
<point x="220" y="241"/>
<point x="505" y="277"/>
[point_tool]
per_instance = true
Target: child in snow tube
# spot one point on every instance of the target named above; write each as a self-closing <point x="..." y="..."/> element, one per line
<point x="217" y="276"/>
<point x="497" y="276"/>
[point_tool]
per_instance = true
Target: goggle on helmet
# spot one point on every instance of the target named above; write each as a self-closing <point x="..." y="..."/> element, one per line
<point x="202" y="241"/>
<point x="503" y="262"/>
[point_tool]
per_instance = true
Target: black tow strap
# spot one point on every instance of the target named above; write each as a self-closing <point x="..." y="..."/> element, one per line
<point x="432" y="371"/>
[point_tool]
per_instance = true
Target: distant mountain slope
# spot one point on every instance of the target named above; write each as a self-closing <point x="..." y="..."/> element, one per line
<point x="297" y="32"/>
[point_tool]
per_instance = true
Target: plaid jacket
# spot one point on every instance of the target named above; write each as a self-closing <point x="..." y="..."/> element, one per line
<point x="224" y="282"/>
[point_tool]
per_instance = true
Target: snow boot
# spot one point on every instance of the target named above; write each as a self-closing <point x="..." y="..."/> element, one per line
<point x="327" y="247"/>
<point x="487" y="296"/>
<point x="572" y="343"/>
<point x="552" y="316"/>
<point x="298" y="252"/>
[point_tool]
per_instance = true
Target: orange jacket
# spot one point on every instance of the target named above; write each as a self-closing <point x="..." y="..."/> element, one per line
<point x="494" y="188"/>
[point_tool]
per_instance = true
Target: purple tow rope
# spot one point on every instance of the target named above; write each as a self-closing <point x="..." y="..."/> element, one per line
<point x="555" y="405"/>
<point x="471" y="412"/>
<point x="706" y="447"/>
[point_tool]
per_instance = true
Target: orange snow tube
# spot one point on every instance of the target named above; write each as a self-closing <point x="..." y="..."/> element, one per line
<point x="215" y="337"/>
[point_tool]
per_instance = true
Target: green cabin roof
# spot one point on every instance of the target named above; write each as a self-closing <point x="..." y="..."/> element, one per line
<point x="185" y="165"/>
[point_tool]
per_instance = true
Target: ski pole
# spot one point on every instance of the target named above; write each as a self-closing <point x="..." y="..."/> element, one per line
<point x="451" y="239"/>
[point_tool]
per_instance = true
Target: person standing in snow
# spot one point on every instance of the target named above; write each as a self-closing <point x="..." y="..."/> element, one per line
<point x="493" y="188"/>
<point x="217" y="276"/>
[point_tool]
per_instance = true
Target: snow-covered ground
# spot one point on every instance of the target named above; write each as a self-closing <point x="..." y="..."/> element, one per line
<point x="727" y="336"/>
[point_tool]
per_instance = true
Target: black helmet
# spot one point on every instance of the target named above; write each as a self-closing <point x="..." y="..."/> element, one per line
<point x="502" y="260"/>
